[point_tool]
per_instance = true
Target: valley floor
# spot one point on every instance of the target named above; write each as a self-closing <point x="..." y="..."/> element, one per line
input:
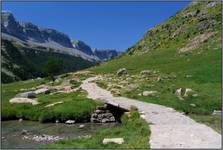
<point x="64" y="102"/>
<point x="169" y="128"/>
<point x="155" y="126"/>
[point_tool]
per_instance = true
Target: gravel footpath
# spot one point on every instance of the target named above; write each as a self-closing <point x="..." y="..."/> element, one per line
<point x="169" y="128"/>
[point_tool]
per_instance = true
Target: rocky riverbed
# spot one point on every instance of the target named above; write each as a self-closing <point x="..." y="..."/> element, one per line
<point x="29" y="134"/>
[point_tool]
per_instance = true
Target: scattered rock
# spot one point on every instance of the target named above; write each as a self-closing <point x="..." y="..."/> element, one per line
<point x="112" y="119"/>
<point x="52" y="104"/>
<point x="124" y="82"/>
<point x="122" y="71"/>
<point x="29" y="94"/>
<point x="188" y="92"/>
<point x="115" y="91"/>
<point x="195" y="95"/>
<point x="188" y="76"/>
<point x="113" y="140"/>
<point x="25" y="137"/>
<point x="70" y="122"/>
<point x="84" y="136"/>
<point x="149" y="93"/>
<point x="159" y="79"/>
<point x="143" y="116"/>
<point x="131" y="87"/>
<point x="193" y="105"/>
<point x="42" y="86"/>
<point x="57" y="80"/>
<point x="24" y="100"/>
<point x="42" y="90"/>
<point x="195" y="42"/>
<point x="101" y="107"/>
<point x="99" y="111"/>
<point x="104" y="120"/>
<point x="81" y="126"/>
<point x="145" y="73"/>
<point x="45" y="137"/>
<point x="38" y="78"/>
<point x="179" y="92"/>
<point x="185" y="92"/>
<point x="211" y="4"/>
<point x="102" y="116"/>
<point x="217" y="113"/>
<point x="74" y="81"/>
<point x="24" y="132"/>
<point x="190" y="14"/>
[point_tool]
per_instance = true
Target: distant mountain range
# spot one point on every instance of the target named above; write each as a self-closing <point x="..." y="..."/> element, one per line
<point x="101" y="54"/>
<point x="27" y="47"/>
<point x="35" y="36"/>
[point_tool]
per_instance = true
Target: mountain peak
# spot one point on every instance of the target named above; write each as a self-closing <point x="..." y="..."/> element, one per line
<point x="80" y="45"/>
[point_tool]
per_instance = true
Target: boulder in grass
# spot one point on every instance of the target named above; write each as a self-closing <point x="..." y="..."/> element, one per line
<point x="122" y="71"/>
<point x="149" y="93"/>
<point x="146" y="73"/>
<point x="30" y="94"/>
<point x="185" y="92"/>
<point x="23" y="100"/>
<point x="188" y="92"/>
<point x="74" y="81"/>
<point x="42" y="90"/>
<point x="113" y="140"/>
<point x="193" y="105"/>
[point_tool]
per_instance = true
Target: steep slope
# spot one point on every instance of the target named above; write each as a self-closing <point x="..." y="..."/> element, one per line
<point x="182" y="52"/>
<point x="197" y="20"/>
<point x="20" y="62"/>
<point x="192" y="35"/>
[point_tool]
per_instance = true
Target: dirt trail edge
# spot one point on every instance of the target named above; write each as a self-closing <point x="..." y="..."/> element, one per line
<point x="169" y="128"/>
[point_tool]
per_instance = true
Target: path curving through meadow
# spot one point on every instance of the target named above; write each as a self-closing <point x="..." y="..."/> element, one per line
<point x="169" y="128"/>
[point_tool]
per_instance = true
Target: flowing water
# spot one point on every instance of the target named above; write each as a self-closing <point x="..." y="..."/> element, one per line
<point x="12" y="136"/>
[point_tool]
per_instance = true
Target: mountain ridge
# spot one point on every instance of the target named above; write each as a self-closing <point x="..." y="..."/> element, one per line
<point x="34" y="35"/>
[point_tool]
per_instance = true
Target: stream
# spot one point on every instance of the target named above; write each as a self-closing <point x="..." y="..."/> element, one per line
<point x="13" y="136"/>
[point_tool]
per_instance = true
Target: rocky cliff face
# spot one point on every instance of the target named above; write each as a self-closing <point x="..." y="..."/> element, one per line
<point x="101" y="54"/>
<point x="105" y="54"/>
<point x="32" y="33"/>
<point x="82" y="46"/>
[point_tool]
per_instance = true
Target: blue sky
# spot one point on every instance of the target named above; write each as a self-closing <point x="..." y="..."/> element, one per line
<point x="116" y="25"/>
